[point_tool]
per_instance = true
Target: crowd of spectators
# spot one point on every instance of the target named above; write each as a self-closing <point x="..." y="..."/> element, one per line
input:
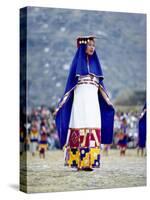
<point x="39" y="130"/>
<point x="41" y="124"/>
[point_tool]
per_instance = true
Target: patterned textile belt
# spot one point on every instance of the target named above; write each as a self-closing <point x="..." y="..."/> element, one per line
<point x="88" y="82"/>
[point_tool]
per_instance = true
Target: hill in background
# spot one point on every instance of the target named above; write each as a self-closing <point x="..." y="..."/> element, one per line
<point x="51" y="45"/>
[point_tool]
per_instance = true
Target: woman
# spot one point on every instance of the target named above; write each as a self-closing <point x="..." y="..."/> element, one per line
<point x="85" y="115"/>
<point x="43" y="143"/>
<point x="33" y="139"/>
<point x="123" y="137"/>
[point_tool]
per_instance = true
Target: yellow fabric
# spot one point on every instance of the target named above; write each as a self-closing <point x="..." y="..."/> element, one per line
<point x="94" y="153"/>
<point x="86" y="161"/>
<point x="34" y="133"/>
<point x="72" y="157"/>
<point x="44" y="146"/>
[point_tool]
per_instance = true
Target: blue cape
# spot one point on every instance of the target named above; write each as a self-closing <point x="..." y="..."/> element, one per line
<point x="79" y="67"/>
<point x="142" y="129"/>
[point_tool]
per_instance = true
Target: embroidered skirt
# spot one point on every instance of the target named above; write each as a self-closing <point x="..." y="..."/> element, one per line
<point x="83" y="141"/>
<point x="83" y="149"/>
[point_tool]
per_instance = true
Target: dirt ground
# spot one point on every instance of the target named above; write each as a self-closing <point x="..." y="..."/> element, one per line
<point x="50" y="174"/>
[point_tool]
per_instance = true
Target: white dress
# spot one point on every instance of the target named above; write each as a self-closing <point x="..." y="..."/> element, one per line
<point x="85" y="111"/>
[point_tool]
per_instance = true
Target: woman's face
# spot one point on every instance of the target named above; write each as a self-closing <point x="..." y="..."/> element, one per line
<point x="90" y="47"/>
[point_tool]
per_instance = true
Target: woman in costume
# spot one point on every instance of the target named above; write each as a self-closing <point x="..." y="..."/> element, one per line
<point x="142" y="132"/>
<point x="85" y="115"/>
<point x="33" y="139"/>
<point x="43" y="142"/>
<point x="123" y="137"/>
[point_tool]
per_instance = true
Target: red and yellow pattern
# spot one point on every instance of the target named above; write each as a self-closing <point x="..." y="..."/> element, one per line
<point x="83" y="149"/>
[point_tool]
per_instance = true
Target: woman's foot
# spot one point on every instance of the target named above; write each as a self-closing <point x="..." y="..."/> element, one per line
<point x="85" y="169"/>
<point x="88" y="169"/>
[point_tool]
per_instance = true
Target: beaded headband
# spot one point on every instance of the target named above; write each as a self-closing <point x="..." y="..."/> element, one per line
<point x="84" y="39"/>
